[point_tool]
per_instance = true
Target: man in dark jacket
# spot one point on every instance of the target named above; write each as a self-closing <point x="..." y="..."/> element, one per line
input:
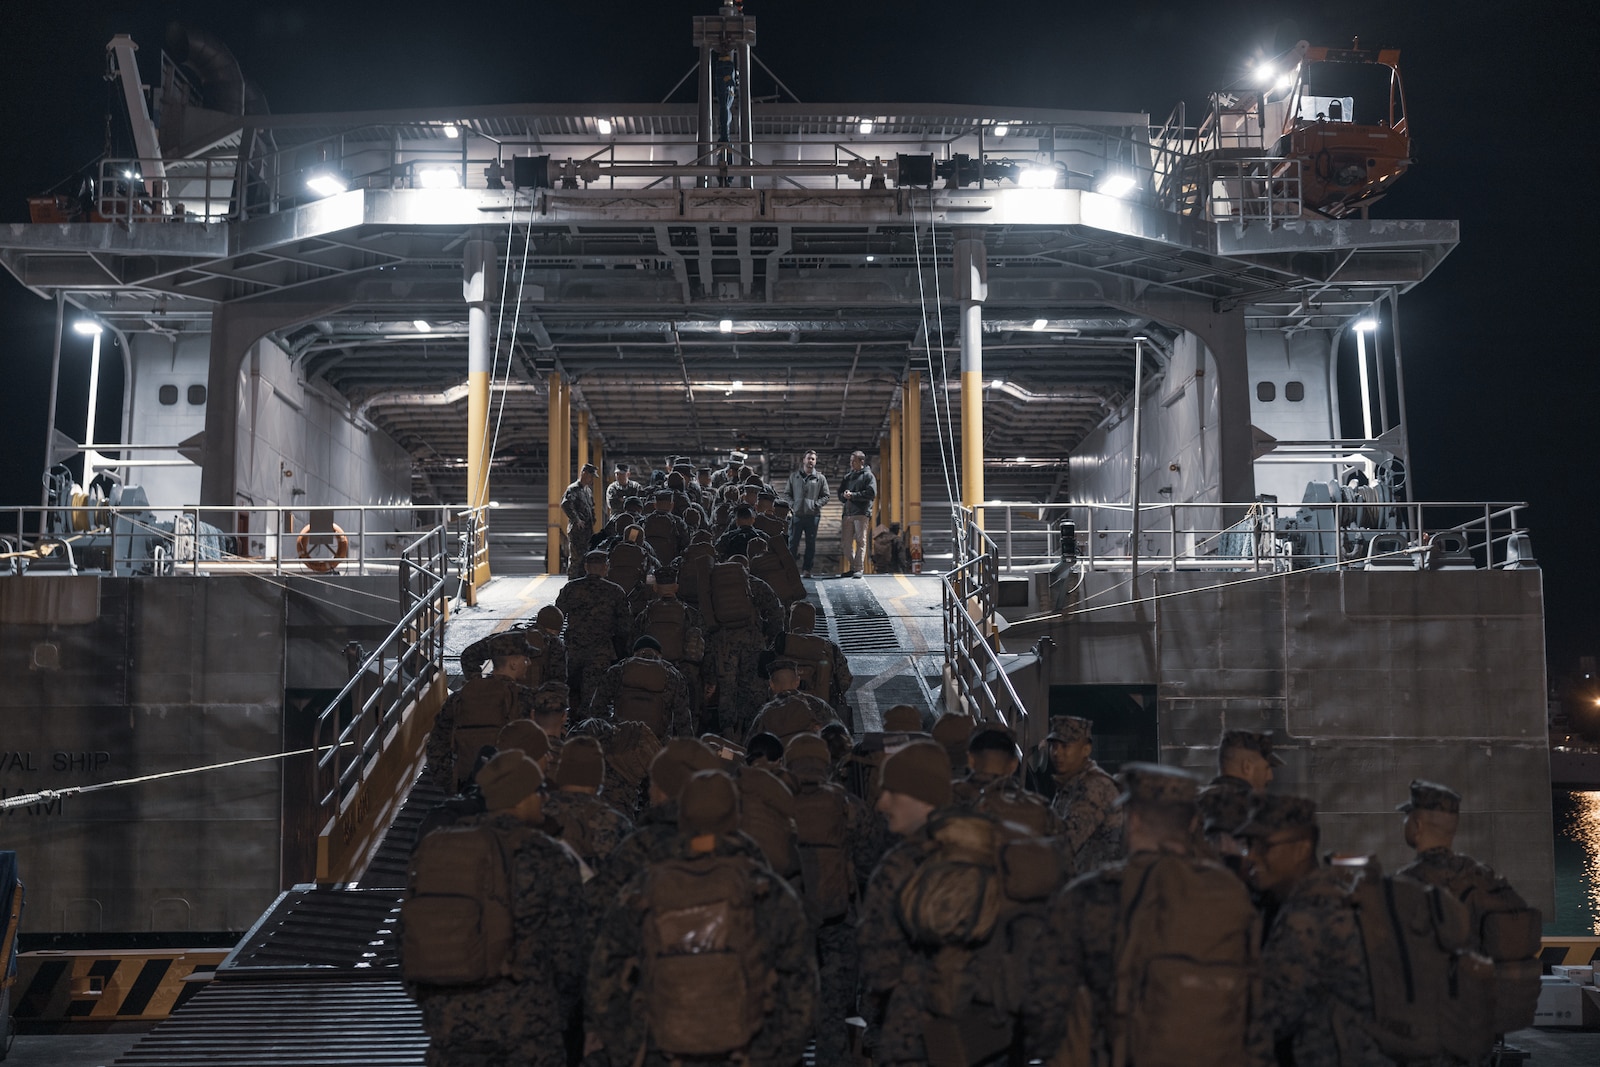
<point x="858" y="489"/>
<point x="807" y="492"/>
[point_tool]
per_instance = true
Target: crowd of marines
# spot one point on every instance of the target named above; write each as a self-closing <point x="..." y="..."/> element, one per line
<point x="705" y="862"/>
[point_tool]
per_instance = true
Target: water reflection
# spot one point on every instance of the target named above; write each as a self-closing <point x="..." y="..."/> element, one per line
<point x="1577" y="852"/>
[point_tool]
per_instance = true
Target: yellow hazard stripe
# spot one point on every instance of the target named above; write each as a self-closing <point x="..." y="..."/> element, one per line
<point x="102" y="986"/>
<point x="1575" y="951"/>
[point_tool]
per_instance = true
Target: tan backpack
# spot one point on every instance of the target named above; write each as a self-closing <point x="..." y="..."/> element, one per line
<point x="705" y="983"/>
<point x="643" y="696"/>
<point x="694" y="576"/>
<point x="455" y="923"/>
<point x="729" y="595"/>
<point x="955" y="895"/>
<point x="626" y="565"/>
<point x="1009" y="802"/>
<point x="774" y="565"/>
<point x="828" y="876"/>
<point x="661" y="533"/>
<point x="1509" y="933"/>
<point x="767" y="815"/>
<point x="811" y="654"/>
<point x="667" y="620"/>
<point x="487" y="704"/>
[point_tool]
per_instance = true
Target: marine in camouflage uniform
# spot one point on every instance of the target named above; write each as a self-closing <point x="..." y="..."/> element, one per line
<point x="441" y="762"/>
<point x="1085" y="797"/>
<point x="621" y="489"/>
<point x="803" y="620"/>
<point x="577" y="503"/>
<point x="522" y="1018"/>
<point x="1439" y="865"/>
<point x="694" y="637"/>
<point x="790" y="709"/>
<point x="588" y="824"/>
<point x="613" y="996"/>
<point x="1316" y="991"/>
<point x="676" y="710"/>
<point x="597" y="626"/>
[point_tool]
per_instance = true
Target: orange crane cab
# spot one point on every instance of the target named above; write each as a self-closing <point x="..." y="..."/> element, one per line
<point x="1347" y="127"/>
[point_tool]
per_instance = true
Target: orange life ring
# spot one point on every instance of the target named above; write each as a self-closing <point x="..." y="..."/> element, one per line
<point x="322" y="564"/>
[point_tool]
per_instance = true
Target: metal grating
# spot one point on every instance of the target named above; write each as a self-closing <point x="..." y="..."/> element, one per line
<point x="392" y="862"/>
<point x="857" y="620"/>
<point x="305" y="1023"/>
<point x="320" y="930"/>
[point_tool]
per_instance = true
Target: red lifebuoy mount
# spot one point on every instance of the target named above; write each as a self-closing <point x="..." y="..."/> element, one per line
<point x="322" y="564"/>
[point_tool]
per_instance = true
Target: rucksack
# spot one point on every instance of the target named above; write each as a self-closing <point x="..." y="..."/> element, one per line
<point x="954" y="896"/>
<point x="694" y="571"/>
<point x="822" y="821"/>
<point x="666" y="620"/>
<point x="775" y="566"/>
<point x="626" y="566"/>
<point x="1008" y="802"/>
<point x="537" y="660"/>
<point x="767" y="816"/>
<point x="729" y="595"/>
<point x="1186" y="965"/>
<point x="487" y="704"/>
<point x="643" y="696"/>
<point x="1432" y="994"/>
<point x="811" y="654"/>
<point x="456" y="924"/>
<point x="1509" y="933"/>
<point x="662" y="535"/>
<point x="707" y="987"/>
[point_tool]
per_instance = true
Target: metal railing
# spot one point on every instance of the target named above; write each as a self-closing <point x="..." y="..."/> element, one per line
<point x="970" y="591"/>
<point x="361" y="724"/>
<point x="1255" y="189"/>
<point x="1260" y="537"/>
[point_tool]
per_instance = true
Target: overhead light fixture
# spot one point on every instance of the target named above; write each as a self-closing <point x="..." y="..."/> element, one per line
<point x="1039" y="324"/>
<point x="871" y="258"/>
<point x="1364" y="325"/>
<point x="1285" y="82"/>
<point x="87" y="327"/>
<point x="438" y="178"/>
<point x="1001" y="129"/>
<point x="1037" y="177"/>
<point x="327" y="181"/>
<point x="1116" y="185"/>
<point x="998" y="383"/>
<point x="422" y="325"/>
<point x="494" y="503"/>
<point x="1266" y="74"/>
<point x="866" y="126"/>
<point x="604" y="126"/>
<point x="725" y="326"/>
<point x="737" y="384"/>
<point x="451" y="130"/>
<point x="1020" y="459"/>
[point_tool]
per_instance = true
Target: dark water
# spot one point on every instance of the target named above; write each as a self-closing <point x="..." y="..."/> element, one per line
<point x="1577" y="830"/>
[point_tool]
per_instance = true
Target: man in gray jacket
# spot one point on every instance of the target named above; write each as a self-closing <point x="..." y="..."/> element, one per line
<point x="857" y="490"/>
<point x="807" y="492"/>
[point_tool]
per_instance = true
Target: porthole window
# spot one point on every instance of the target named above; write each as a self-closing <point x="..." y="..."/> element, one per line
<point x="1294" y="391"/>
<point x="167" y="394"/>
<point x="197" y="394"/>
<point x="1266" y="392"/>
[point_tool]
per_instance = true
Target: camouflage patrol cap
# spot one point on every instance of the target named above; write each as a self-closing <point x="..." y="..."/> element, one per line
<point x="625" y="468"/>
<point x="766" y="494"/>
<point x="1224" y="805"/>
<point x="708" y="804"/>
<point x="551" y="697"/>
<point x="1254" y="740"/>
<point x="1431" y="796"/>
<point x="589" y="468"/>
<point x="1276" y="814"/>
<point x="806" y="756"/>
<point x="550" y="617"/>
<point x="953" y="731"/>
<point x="666" y="576"/>
<point x="902" y="718"/>
<point x="645" y="641"/>
<point x="582" y="764"/>
<point x="508" y="779"/>
<point x="677" y="760"/>
<point x="920" y="770"/>
<point x="1068" y="729"/>
<point x="510" y="643"/>
<point x="596" y="555"/>
<point x="663" y="494"/>
<point x="802" y="617"/>
<point x="524" y="734"/>
<point x="1151" y="783"/>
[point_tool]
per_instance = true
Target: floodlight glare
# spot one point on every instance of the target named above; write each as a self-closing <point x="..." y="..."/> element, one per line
<point x="1039" y="324"/>
<point x="1365" y="325"/>
<point x="1285" y="82"/>
<point x="422" y="325"/>
<point x="1001" y="130"/>
<point x="87" y="327"/>
<point x="327" y="182"/>
<point x="726" y="326"/>
<point x="1116" y="185"/>
<point x="997" y="383"/>
<point x="871" y="258"/>
<point x="604" y="126"/>
<point x="866" y="126"/>
<point x="438" y="178"/>
<point x="451" y="130"/>
<point x="736" y="384"/>
<point x="1037" y="178"/>
<point x="1266" y="74"/>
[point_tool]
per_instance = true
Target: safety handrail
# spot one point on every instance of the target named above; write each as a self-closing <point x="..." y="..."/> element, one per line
<point x="394" y="676"/>
<point x="971" y="662"/>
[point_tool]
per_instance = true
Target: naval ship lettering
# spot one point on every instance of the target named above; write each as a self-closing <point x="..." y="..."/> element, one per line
<point x="59" y="761"/>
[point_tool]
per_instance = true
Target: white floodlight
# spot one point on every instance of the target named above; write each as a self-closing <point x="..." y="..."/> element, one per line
<point x="1037" y="178"/>
<point x="451" y="130"/>
<point x="1039" y="324"/>
<point x="422" y="325"/>
<point x="725" y="326"/>
<point x="1020" y="459"/>
<point x="998" y="383"/>
<point x="87" y="327"/>
<point x="604" y="126"/>
<point x="1266" y="74"/>
<point x="736" y="384"/>
<point x="1365" y="325"/>
<point x="494" y="503"/>
<point x="1001" y="129"/>
<point x="871" y="258"/>
<point x="438" y="178"/>
<point x="1284" y="83"/>
<point x="866" y="126"/>
<point x="1116" y="185"/>
<point x="327" y="182"/>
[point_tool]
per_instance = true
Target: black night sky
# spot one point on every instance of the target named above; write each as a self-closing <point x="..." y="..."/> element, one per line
<point x="1501" y="373"/>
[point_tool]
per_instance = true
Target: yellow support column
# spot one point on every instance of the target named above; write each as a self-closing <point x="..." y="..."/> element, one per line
<point x="891" y="471"/>
<point x="971" y="263"/>
<point x="477" y="277"/>
<point x="911" y="463"/>
<point x="554" y="522"/>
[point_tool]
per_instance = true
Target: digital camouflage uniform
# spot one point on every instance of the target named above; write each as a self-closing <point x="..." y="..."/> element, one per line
<point x="769" y="608"/>
<point x="577" y="503"/>
<point x="1456" y="874"/>
<point x="617" y="492"/>
<point x="441" y="766"/>
<point x="520" y="1019"/>
<point x="694" y="640"/>
<point x="613" y="1008"/>
<point x="838" y="961"/>
<point x="1086" y="804"/>
<point x="591" y="826"/>
<point x="893" y="992"/>
<point x="677" y="709"/>
<point x="597" y="631"/>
